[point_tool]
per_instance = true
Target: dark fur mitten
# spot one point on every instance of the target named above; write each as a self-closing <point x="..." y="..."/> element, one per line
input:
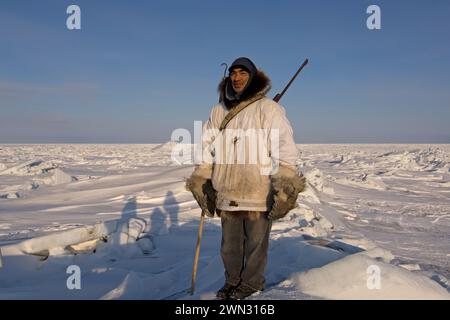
<point x="201" y="187"/>
<point x="286" y="185"/>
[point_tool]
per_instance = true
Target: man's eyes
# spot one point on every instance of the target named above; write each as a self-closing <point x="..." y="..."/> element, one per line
<point x="241" y="73"/>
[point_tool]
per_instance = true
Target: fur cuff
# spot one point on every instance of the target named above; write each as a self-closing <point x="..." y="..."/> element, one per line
<point x="286" y="185"/>
<point x="201" y="187"/>
<point x="203" y="171"/>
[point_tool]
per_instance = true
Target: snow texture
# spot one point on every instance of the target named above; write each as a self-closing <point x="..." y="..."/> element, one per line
<point x="122" y="215"/>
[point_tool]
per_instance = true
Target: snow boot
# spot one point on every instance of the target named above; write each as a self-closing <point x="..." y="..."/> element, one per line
<point x="224" y="292"/>
<point x="242" y="292"/>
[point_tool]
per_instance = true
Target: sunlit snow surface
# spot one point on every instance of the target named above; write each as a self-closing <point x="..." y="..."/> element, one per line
<point x="365" y="204"/>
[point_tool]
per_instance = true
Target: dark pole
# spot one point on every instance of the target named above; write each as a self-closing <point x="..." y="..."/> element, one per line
<point x="279" y="95"/>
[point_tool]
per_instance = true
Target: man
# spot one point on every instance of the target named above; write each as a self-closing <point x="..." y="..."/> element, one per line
<point x="233" y="179"/>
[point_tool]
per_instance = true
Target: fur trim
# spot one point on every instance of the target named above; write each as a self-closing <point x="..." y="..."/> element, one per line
<point x="203" y="171"/>
<point x="251" y="215"/>
<point x="201" y="187"/>
<point x="287" y="181"/>
<point x="286" y="185"/>
<point x="260" y="84"/>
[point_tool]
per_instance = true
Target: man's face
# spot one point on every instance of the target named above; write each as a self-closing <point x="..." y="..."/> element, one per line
<point x="239" y="78"/>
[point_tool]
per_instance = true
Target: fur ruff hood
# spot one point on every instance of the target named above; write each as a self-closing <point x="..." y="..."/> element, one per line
<point x="260" y="84"/>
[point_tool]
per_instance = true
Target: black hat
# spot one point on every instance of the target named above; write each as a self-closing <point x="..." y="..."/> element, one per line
<point x="244" y="63"/>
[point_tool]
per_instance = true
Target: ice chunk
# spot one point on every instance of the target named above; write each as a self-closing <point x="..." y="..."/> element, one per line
<point x="360" y="277"/>
<point x="28" y="168"/>
<point x="67" y="238"/>
<point x="60" y="177"/>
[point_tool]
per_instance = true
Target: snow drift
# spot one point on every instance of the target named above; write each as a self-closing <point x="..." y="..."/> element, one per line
<point x="129" y="224"/>
<point x="353" y="277"/>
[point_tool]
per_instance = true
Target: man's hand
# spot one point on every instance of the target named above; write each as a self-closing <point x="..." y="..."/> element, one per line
<point x="201" y="187"/>
<point x="286" y="185"/>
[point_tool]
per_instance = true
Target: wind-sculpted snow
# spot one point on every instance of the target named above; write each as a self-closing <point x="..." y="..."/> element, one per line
<point x="122" y="215"/>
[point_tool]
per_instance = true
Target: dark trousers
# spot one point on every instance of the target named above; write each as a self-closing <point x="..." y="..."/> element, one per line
<point x="245" y="244"/>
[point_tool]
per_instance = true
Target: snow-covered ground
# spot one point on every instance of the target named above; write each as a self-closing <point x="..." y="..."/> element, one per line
<point x="373" y="223"/>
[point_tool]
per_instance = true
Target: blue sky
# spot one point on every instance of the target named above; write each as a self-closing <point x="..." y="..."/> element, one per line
<point x="137" y="70"/>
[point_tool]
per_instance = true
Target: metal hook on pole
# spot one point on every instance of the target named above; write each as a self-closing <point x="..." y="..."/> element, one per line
<point x="225" y="70"/>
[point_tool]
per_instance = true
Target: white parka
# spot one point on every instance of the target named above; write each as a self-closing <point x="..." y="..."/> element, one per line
<point x="242" y="157"/>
